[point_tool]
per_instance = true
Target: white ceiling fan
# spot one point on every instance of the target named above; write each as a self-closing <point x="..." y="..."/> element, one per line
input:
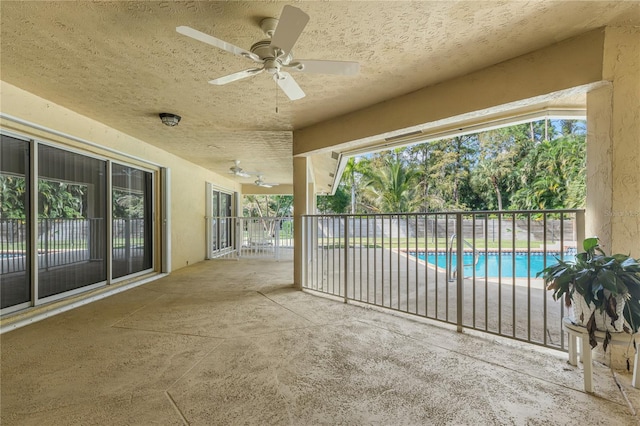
<point x="274" y="53"/>
<point x="237" y="170"/>
<point x="264" y="184"/>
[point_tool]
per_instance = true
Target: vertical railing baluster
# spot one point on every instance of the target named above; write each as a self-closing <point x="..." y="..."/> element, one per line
<point x="473" y="269"/>
<point x="375" y="259"/>
<point x="426" y="265"/>
<point x="346" y="256"/>
<point x="416" y="263"/>
<point x="398" y="280"/>
<point x="513" y="275"/>
<point x="544" y="264"/>
<point x="486" y="273"/>
<point x="529" y="276"/>
<point x="460" y="269"/>
<point x="499" y="272"/>
<point x="436" y="274"/>
<point x="368" y="251"/>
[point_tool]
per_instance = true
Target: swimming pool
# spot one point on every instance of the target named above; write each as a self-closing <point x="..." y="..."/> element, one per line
<point x="491" y="262"/>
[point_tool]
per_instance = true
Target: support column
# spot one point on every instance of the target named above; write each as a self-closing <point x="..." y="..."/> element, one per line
<point x="312" y="205"/>
<point x="613" y="156"/>
<point x="613" y="146"/>
<point x="300" y="207"/>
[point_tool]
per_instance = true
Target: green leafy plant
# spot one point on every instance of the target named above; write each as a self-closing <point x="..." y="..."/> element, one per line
<point x="601" y="281"/>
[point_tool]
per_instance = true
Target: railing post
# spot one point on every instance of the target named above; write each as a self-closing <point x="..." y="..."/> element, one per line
<point x="460" y="271"/>
<point x="304" y="255"/>
<point x="346" y="256"/>
<point x="45" y="222"/>
<point x="580" y="229"/>
<point x="276" y="231"/>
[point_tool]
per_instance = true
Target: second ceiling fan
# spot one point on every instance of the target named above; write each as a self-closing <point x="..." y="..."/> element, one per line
<point x="274" y="53"/>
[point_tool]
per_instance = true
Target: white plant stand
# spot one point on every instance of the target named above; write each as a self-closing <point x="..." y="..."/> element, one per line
<point x="576" y="332"/>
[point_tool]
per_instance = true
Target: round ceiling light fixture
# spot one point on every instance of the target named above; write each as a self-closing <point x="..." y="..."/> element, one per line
<point x="169" y="119"/>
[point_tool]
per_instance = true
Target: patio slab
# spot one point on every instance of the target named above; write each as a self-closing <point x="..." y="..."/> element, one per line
<point x="231" y="342"/>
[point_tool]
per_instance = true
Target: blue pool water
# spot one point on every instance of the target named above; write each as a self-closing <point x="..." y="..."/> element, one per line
<point x="491" y="260"/>
<point x="10" y="255"/>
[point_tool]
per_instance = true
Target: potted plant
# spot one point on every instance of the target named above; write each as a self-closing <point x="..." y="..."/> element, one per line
<point x="603" y="290"/>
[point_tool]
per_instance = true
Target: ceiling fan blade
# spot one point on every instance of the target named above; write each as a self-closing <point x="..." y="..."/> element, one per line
<point x="290" y="25"/>
<point x="236" y="76"/>
<point x="328" y="67"/>
<point x="221" y="44"/>
<point x="289" y="86"/>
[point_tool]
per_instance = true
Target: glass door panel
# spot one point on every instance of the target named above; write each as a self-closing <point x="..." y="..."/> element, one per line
<point x="71" y="221"/>
<point x="132" y="220"/>
<point x="221" y="222"/>
<point x="215" y="203"/>
<point x="15" y="287"/>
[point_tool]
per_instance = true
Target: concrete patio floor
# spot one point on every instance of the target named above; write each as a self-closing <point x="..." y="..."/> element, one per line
<point x="231" y="342"/>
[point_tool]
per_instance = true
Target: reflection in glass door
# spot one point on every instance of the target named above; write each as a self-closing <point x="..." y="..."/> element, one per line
<point x="14" y="222"/>
<point x="71" y="221"/>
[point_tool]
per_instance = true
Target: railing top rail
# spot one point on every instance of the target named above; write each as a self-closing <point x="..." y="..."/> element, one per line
<point x="255" y="217"/>
<point x="463" y="212"/>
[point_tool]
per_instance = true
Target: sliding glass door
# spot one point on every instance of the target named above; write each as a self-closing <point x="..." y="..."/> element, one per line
<point x="93" y="216"/>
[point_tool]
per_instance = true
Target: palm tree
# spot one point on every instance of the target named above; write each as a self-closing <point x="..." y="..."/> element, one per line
<point x="392" y="187"/>
<point x="352" y="178"/>
<point x="487" y="177"/>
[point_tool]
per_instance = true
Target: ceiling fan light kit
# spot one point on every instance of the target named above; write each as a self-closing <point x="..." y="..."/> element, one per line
<point x="274" y="53"/>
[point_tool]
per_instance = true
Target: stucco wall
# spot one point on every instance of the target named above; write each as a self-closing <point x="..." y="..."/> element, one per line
<point x="613" y="150"/>
<point x="187" y="179"/>
<point x="621" y="65"/>
<point x="564" y="65"/>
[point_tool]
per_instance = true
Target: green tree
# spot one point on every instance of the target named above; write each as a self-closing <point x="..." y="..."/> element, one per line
<point x="392" y="186"/>
<point x="337" y="203"/>
<point x="554" y="177"/>
<point x="127" y="204"/>
<point x="60" y="199"/>
<point x="12" y="197"/>
<point x="352" y="178"/>
<point x="267" y="205"/>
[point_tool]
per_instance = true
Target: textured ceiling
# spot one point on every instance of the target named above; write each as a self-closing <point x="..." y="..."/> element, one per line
<point x="122" y="63"/>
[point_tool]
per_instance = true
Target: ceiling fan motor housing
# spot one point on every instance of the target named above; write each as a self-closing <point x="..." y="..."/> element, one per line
<point x="265" y="51"/>
<point x="269" y="25"/>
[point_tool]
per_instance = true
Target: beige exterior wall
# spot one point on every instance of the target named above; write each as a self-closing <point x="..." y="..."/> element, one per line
<point x="187" y="179"/>
<point x="613" y="150"/>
